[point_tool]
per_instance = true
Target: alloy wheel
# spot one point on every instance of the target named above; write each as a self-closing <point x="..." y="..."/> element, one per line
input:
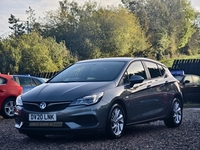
<point x="117" y="121"/>
<point x="9" y="108"/>
<point x="177" y="113"/>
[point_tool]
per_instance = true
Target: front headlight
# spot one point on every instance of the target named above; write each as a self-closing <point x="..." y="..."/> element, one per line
<point x="19" y="101"/>
<point x="88" y="100"/>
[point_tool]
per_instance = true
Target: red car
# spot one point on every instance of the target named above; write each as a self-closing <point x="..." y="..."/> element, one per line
<point x="9" y="90"/>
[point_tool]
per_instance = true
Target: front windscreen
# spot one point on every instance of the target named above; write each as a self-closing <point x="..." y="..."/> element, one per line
<point x="90" y="72"/>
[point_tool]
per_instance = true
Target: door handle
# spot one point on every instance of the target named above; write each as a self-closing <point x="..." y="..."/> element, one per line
<point x="148" y="86"/>
<point x="166" y="82"/>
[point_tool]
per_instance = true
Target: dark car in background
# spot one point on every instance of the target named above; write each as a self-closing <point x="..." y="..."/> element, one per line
<point x="189" y="84"/>
<point x="101" y="95"/>
<point x="9" y="90"/>
<point x="28" y="82"/>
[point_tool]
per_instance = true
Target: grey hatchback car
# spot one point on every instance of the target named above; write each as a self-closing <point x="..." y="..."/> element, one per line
<point x="107" y="94"/>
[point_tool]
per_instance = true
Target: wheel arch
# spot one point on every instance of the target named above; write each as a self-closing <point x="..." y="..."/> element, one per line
<point x="121" y="103"/>
<point x="10" y="97"/>
<point x="169" y="120"/>
<point x="178" y="96"/>
<point x="116" y="103"/>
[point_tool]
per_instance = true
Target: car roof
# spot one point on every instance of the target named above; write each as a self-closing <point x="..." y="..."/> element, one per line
<point x="5" y="75"/>
<point x="24" y="76"/>
<point x="16" y="75"/>
<point x="125" y="59"/>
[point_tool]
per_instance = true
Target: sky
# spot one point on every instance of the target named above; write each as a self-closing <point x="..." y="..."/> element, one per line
<point x="18" y="9"/>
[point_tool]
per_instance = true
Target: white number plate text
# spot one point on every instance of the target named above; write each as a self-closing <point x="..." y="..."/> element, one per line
<point x="42" y="117"/>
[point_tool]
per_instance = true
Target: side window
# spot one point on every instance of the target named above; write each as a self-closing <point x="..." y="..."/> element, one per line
<point x="16" y="79"/>
<point x="162" y="70"/>
<point x="37" y="82"/>
<point x="24" y="81"/>
<point x="188" y="78"/>
<point x="136" y="68"/>
<point x="3" y="81"/>
<point x="33" y="83"/>
<point x="153" y="69"/>
<point x="196" y="80"/>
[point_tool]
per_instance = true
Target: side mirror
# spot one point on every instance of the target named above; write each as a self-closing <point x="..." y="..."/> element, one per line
<point x="186" y="81"/>
<point x="136" y="79"/>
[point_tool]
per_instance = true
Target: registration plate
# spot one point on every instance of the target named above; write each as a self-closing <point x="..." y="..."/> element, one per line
<point x="42" y="117"/>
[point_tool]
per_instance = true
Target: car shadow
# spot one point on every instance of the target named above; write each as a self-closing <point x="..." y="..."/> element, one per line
<point x="136" y="130"/>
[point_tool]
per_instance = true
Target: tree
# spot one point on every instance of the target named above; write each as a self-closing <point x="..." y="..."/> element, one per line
<point x="18" y="28"/>
<point x="138" y="7"/>
<point x="188" y="28"/>
<point x="32" y="54"/>
<point x="168" y="19"/>
<point x="90" y="31"/>
<point x="62" y="22"/>
<point x="31" y="20"/>
<point x="10" y="56"/>
<point x="110" y="32"/>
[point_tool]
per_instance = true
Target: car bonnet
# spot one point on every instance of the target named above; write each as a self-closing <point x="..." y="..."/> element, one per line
<point x="65" y="91"/>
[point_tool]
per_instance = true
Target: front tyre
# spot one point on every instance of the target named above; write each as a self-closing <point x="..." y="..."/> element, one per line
<point x="115" y="122"/>
<point x="176" y="114"/>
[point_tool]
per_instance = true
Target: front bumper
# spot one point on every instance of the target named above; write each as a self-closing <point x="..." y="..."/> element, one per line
<point x="76" y="119"/>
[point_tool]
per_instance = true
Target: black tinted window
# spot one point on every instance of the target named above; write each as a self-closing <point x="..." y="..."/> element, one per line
<point x="162" y="70"/>
<point x="196" y="80"/>
<point x="136" y="68"/>
<point x="37" y="82"/>
<point x="90" y="71"/>
<point x="188" y="78"/>
<point x="153" y="69"/>
<point x="26" y="81"/>
<point x="3" y="81"/>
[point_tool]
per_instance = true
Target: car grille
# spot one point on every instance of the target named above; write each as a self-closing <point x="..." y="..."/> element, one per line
<point x="49" y="106"/>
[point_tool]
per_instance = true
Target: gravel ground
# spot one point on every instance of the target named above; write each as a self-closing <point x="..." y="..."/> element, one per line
<point x="153" y="136"/>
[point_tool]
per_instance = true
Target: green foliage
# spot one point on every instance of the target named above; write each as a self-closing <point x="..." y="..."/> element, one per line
<point x="17" y="27"/>
<point x="9" y="55"/>
<point x="90" y="31"/>
<point x="169" y="24"/>
<point x="150" y="28"/>
<point x="31" y="20"/>
<point x="194" y="42"/>
<point x="108" y="33"/>
<point x="32" y="53"/>
<point x="188" y="29"/>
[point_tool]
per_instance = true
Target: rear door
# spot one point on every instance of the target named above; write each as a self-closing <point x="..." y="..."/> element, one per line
<point x="158" y="84"/>
<point x="187" y="87"/>
<point x="196" y="80"/>
<point x="191" y="88"/>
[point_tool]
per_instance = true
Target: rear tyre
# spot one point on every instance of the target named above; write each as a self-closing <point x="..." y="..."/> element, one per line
<point x="116" y="122"/>
<point x="176" y="114"/>
<point x="8" y="108"/>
